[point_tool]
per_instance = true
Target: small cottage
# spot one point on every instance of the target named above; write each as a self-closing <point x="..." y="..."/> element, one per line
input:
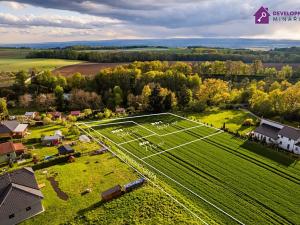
<point x="55" y="115"/>
<point x="31" y="115"/>
<point x="12" y="129"/>
<point x="65" y="149"/>
<point x="75" y="113"/>
<point x="111" y="193"/>
<point x="51" y="140"/>
<point x="120" y="110"/>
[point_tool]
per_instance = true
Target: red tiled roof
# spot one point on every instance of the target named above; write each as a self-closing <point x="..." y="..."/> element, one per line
<point x="6" y="147"/>
<point x="9" y="147"/>
<point x="19" y="147"/>
<point x="75" y="113"/>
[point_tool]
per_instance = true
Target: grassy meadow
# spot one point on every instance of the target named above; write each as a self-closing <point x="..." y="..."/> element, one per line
<point x="233" y="119"/>
<point x="147" y="205"/>
<point x="14" y="65"/>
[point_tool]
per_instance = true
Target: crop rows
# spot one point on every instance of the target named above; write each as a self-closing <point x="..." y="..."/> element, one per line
<point x="222" y="169"/>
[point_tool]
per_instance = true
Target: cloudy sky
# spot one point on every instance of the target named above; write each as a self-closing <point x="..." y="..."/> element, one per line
<point x="24" y="21"/>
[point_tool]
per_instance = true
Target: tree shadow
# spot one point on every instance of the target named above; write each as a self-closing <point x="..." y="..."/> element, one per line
<point x="279" y="156"/>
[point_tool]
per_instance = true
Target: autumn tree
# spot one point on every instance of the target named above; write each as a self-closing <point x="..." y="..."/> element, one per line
<point x="25" y="100"/>
<point x="3" y="109"/>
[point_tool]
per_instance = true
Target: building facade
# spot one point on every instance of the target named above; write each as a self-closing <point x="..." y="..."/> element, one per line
<point x="283" y="136"/>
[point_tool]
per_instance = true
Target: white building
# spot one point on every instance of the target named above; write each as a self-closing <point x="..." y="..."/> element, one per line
<point x="284" y="136"/>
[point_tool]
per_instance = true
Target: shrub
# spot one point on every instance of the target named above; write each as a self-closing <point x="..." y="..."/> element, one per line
<point x="248" y="122"/>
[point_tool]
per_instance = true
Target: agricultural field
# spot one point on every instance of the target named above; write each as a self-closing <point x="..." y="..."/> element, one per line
<point x="13" y="65"/>
<point x="87" y="69"/>
<point x="235" y="180"/>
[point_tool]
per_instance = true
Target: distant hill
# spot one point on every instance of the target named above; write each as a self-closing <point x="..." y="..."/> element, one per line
<point x="174" y="42"/>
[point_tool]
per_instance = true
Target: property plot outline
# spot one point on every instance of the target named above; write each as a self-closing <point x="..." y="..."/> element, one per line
<point x="148" y="179"/>
<point x="162" y="173"/>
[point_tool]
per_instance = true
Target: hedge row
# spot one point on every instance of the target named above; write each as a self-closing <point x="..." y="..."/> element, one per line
<point x="55" y="161"/>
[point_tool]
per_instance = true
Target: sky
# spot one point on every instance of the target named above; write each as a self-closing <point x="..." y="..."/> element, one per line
<point x="28" y="21"/>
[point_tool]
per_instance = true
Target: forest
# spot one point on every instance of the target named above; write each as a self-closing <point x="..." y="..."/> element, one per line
<point x="158" y="86"/>
<point x="192" y="53"/>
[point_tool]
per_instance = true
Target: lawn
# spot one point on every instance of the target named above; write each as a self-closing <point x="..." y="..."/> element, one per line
<point x="13" y="65"/>
<point x="252" y="183"/>
<point x="147" y="205"/>
<point x="233" y="119"/>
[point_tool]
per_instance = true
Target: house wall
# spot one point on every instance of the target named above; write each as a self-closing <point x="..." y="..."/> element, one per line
<point x="21" y="214"/>
<point x="286" y="143"/>
<point x="5" y="135"/>
<point x="264" y="138"/>
<point x="6" y="157"/>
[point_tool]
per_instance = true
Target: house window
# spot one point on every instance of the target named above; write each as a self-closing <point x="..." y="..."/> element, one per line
<point x="288" y="146"/>
<point x="8" y="155"/>
<point x="28" y="208"/>
<point x="280" y="142"/>
<point x="11" y="216"/>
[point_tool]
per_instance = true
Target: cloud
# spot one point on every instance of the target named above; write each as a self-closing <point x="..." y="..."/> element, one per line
<point x="165" y="13"/>
<point x="15" y="5"/>
<point x="109" y="19"/>
<point x="84" y="22"/>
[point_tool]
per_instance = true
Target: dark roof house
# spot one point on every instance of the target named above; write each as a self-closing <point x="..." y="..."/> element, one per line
<point x="20" y="197"/>
<point x="65" y="149"/>
<point x="12" y="129"/>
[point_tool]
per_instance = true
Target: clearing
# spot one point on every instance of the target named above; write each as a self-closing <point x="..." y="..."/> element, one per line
<point x="236" y="181"/>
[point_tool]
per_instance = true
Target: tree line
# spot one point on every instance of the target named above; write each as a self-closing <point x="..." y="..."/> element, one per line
<point x="290" y="55"/>
<point x="155" y="87"/>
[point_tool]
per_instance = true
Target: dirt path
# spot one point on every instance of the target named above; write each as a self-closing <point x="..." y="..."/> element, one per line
<point x="62" y="195"/>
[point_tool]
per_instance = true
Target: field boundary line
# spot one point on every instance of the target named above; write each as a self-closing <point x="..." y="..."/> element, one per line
<point x="181" y="130"/>
<point x="108" y="124"/>
<point x="135" y="169"/>
<point x="161" y="135"/>
<point x="194" y="121"/>
<point x="128" y="117"/>
<point x="184" y="144"/>
<point x="153" y="132"/>
<point x="170" y="178"/>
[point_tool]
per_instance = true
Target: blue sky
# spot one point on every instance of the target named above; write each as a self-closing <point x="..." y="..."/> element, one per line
<point x="24" y="21"/>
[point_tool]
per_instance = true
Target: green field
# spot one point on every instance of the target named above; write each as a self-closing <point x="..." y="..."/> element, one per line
<point x="147" y="205"/>
<point x="13" y="65"/>
<point x="253" y="184"/>
<point x="233" y="119"/>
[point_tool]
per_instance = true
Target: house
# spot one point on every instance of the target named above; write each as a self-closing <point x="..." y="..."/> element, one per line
<point x="10" y="150"/>
<point x="262" y="16"/>
<point x="51" y="140"/>
<point x="75" y="113"/>
<point x="12" y="129"/>
<point x="65" y="149"/>
<point x="286" y="137"/>
<point x="20" y="197"/>
<point x="55" y="115"/>
<point x="31" y="115"/>
<point x="120" y="110"/>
